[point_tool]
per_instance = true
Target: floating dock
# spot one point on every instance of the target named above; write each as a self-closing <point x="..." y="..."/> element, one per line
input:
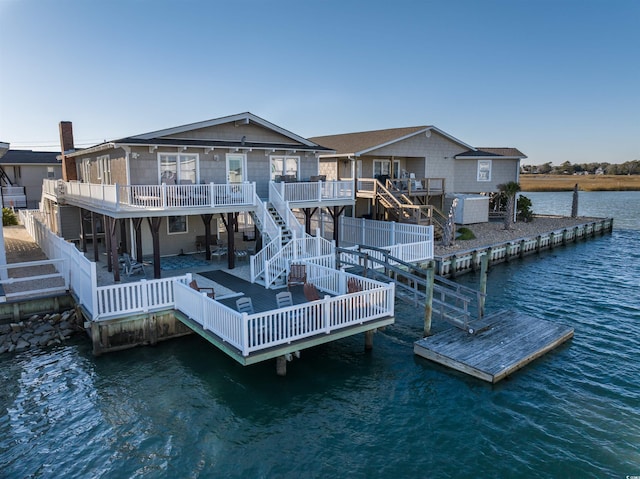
<point x="508" y="341"/>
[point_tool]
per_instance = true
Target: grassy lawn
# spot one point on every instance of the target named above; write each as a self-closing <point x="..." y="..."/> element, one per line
<point x="585" y="183"/>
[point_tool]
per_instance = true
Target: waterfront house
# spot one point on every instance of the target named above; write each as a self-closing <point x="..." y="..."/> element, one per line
<point x="21" y="174"/>
<point x="195" y="185"/>
<point x="399" y="168"/>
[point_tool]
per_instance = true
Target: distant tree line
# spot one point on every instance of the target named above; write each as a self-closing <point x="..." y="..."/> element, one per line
<point x="567" y="168"/>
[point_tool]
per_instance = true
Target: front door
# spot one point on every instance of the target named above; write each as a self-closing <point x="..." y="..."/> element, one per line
<point x="236" y="166"/>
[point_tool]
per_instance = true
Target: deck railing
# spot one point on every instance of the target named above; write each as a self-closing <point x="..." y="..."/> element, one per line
<point x="282" y="207"/>
<point x="82" y="276"/>
<point x="134" y="197"/>
<point x="254" y="332"/>
<point x="139" y="297"/>
<point x="312" y="191"/>
<point x="277" y="264"/>
<point x="407" y="242"/>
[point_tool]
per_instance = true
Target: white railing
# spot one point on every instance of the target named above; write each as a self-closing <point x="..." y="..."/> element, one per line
<point x="409" y="242"/>
<point x="297" y="249"/>
<point x="282" y="207"/>
<point x="139" y="297"/>
<point x="269" y="229"/>
<point x="60" y="265"/>
<point x="316" y="190"/>
<point x="128" y="197"/>
<point x="254" y="332"/>
<point x="82" y="276"/>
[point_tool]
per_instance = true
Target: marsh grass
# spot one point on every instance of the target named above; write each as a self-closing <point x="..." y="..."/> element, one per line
<point x="585" y="183"/>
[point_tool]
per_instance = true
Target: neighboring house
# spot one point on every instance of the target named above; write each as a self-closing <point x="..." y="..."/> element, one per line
<point x="190" y="182"/>
<point x="421" y="162"/>
<point x="21" y="174"/>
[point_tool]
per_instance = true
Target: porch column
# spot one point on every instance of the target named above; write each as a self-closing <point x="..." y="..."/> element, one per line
<point x="108" y="241"/>
<point x="112" y="254"/>
<point x="230" y="224"/>
<point x="94" y="237"/>
<point x="206" y="219"/>
<point x="83" y="231"/>
<point x="137" y="224"/>
<point x="154" y="225"/>
<point x="308" y="214"/>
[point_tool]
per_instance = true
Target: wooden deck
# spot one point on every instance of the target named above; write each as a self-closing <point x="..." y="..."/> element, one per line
<point x="510" y="341"/>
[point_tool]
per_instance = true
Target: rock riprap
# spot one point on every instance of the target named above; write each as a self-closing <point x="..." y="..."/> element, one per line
<point x="38" y="331"/>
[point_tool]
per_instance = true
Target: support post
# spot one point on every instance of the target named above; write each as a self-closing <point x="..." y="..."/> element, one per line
<point x="368" y="340"/>
<point x="484" y="269"/>
<point x="428" y="306"/>
<point x="281" y="366"/>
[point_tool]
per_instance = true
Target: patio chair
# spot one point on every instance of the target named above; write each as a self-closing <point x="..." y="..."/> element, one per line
<point x="131" y="266"/>
<point x="209" y="291"/>
<point x="244" y="305"/>
<point x="311" y="292"/>
<point x="284" y="299"/>
<point x="297" y="275"/>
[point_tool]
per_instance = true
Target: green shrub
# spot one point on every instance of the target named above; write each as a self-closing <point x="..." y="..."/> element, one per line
<point x="465" y="234"/>
<point x="524" y="211"/>
<point x="9" y="217"/>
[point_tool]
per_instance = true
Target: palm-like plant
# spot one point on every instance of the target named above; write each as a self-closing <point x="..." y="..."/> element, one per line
<point x="510" y="190"/>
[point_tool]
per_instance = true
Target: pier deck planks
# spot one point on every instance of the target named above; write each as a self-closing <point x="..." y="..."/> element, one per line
<point x="511" y="341"/>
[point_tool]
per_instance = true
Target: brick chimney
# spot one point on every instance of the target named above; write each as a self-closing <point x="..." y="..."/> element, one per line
<point x="66" y="146"/>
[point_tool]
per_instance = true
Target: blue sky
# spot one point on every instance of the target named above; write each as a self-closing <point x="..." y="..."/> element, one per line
<point x="558" y="79"/>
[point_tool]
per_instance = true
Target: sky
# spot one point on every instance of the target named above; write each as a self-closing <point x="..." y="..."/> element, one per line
<point x="557" y="79"/>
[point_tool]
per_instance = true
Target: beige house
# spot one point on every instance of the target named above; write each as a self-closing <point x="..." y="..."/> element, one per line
<point x="422" y="163"/>
<point x="191" y="187"/>
<point x="21" y="174"/>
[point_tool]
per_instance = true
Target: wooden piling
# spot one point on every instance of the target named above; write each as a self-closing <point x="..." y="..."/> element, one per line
<point x="428" y="309"/>
<point x="368" y="340"/>
<point x="281" y="366"/>
<point x="484" y="269"/>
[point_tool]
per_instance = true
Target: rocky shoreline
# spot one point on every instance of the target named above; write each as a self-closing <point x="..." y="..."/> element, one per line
<point x="39" y="331"/>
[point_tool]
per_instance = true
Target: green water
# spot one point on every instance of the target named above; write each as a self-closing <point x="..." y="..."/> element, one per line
<point x="185" y="410"/>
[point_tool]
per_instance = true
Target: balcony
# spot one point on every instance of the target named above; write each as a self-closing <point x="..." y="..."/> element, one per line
<point x="169" y="199"/>
<point x="316" y="192"/>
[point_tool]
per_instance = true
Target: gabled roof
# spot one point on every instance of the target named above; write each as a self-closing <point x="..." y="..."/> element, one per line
<point x="29" y="157"/>
<point x="486" y="152"/>
<point x="356" y="144"/>
<point x="157" y="137"/>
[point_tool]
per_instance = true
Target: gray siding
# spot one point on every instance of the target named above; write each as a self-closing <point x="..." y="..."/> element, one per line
<point x="466" y="171"/>
<point x="228" y="131"/>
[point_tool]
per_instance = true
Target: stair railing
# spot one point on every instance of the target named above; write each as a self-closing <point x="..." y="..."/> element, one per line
<point x="282" y="207"/>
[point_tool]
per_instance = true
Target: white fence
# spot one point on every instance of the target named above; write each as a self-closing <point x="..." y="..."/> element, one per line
<point x="140" y="297"/>
<point x="316" y="190"/>
<point x="81" y="272"/>
<point x="297" y="249"/>
<point x="130" y="197"/>
<point x="407" y="242"/>
<point x="262" y="330"/>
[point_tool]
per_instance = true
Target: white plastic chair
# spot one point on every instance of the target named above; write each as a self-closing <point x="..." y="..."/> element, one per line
<point x="244" y="305"/>
<point x="284" y="299"/>
<point x="131" y="266"/>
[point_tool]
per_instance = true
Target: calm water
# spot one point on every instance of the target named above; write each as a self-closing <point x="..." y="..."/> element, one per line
<point x="184" y="410"/>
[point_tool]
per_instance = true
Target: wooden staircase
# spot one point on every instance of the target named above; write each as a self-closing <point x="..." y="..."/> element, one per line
<point x="401" y="208"/>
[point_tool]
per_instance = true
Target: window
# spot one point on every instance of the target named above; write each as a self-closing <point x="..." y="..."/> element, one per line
<point x="175" y="169"/>
<point x="177" y="225"/>
<point x="17" y="173"/>
<point x="86" y="170"/>
<point x="50" y="172"/>
<point x="284" y="165"/>
<point x="484" y="170"/>
<point x="104" y="170"/>
<point x="381" y="168"/>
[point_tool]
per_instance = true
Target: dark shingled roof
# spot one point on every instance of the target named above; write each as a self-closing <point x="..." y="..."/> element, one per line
<point x="218" y="143"/>
<point x="355" y="142"/>
<point x="28" y="157"/>
<point x="493" y="152"/>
